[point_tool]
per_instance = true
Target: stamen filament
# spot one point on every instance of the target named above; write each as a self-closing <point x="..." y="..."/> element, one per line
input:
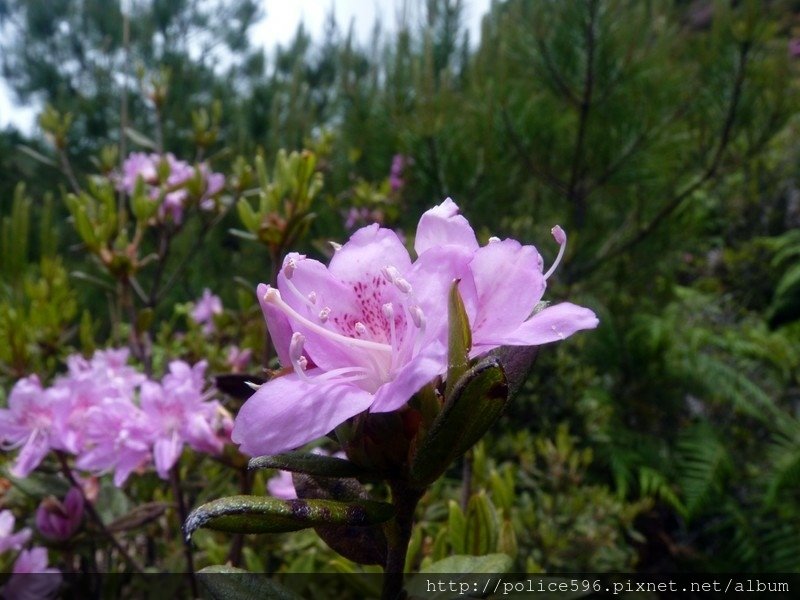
<point x="388" y="312"/>
<point x="273" y="297"/>
<point x="298" y="294"/>
<point x="561" y="238"/>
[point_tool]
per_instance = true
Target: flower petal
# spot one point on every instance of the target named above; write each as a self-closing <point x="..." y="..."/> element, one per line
<point x="280" y="331"/>
<point x="553" y="324"/>
<point x="312" y="277"/>
<point x="442" y="225"/>
<point x="287" y="412"/>
<point x="429" y="363"/>
<point x="367" y="252"/>
<point x="432" y="276"/>
<point x="32" y="453"/>
<point x="166" y="452"/>
<point x="508" y="282"/>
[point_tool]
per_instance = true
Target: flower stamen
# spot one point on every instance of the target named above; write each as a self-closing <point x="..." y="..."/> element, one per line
<point x="393" y="276"/>
<point x="388" y="312"/>
<point x="561" y="238"/>
<point x="273" y="296"/>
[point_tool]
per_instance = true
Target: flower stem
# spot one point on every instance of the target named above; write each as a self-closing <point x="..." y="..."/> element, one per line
<point x="398" y="536"/>
<point x="177" y="492"/>
<point x="245" y="487"/>
<point x="95" y="516"/>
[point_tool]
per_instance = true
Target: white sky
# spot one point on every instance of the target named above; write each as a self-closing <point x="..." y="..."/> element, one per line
<point x="279" y="25"/>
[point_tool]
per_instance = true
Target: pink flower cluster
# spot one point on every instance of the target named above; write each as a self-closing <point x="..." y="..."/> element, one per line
<point x="204" y="310"/>
<point x="113" y="418"/>
<point x="399" y="164"/>
<point x="31" y="578"/>
<point x="172" y="192"/>
<point x="368" y="331"/>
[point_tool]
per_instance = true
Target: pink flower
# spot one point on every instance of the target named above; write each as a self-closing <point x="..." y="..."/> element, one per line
<point x="500" y="283"/>
<point x="354" y="335"/>
<point x="367" y="332"/>
<point x="180" y="414"/>
<point x="281" y="486"/>
<point x="204" y="310"/>
<point x="138" y="164"/>
<point x="8" y="539"/>
<point x="238" y="359"/>
<point x="34" y="421"/>
<point x="106" y="376"/>
<point x="118" y="437"/>
<point x="57" y="520"/>
<point x="174" y="190"/>
<point x="32" y="579"/>
<point x="794" y="48"/>
<point x="399" y="163"/>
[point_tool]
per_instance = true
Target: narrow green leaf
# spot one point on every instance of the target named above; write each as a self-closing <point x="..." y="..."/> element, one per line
<point x="308" y="463"/>
<point x="140" y="139"/>
<point x="262" y="514"/>
<point x="456" y="525"/>
<point x="38" y="156"/>
<point x="477" y="401"/>
<point x="482" y="526"/>
<point x="247" y="216"/>
<point x="459" y="339"/>
<point x="363" y="545"/>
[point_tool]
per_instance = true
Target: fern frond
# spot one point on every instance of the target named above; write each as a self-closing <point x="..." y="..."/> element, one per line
<point x="704" y="466"/>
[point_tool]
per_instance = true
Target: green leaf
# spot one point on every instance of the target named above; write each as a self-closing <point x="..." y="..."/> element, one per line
<point x="247" y="216"/>
<point x="260" y="514"/>
<point x="306" y="462"/>
<point x="481" y="527"/>
<point x="462" y="563"/>
<point x="459" y="339"/>
<point x="462" y="571"/>
<point x="456" y="526"/>
<point x="228" y="583"/>
<point x="140" y="139"/>
<point x="38" y="156"/>
<point x="363" y="545"/>
<point x="477" y="401"/>
<point x="38" y="485"/>
<point x="85" y="228"/>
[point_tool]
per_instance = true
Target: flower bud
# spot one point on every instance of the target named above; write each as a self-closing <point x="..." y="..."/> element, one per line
<point x="57" y="520"/>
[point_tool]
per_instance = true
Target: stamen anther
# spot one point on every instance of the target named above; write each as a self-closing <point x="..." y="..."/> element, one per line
<point x="296" y="347"/>
<point x="417" y="316"/>
<point x="393" y="276"/>
<point x="288" y="267"/>
<point x="324" y="314"/>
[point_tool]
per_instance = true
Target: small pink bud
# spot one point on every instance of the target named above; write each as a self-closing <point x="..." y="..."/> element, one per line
<point x="57" y="520"/>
